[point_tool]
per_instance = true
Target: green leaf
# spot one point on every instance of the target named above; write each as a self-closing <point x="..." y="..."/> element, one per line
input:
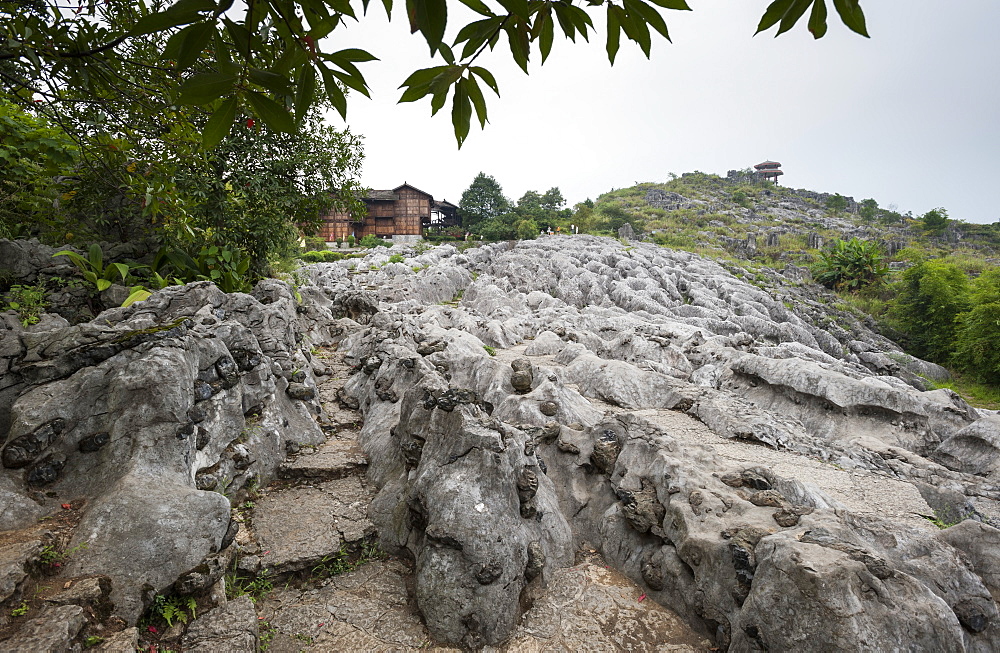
<point x="271" y="81"/>
<point x="520" y="47"/>
<point x="650" y="15"/>
<point x="773" y="14"/>
<point x="273" y="114"/>
<point x="352" y="54"/>
<point x="517" y="7"/>
<point x="672" y="4"/>
<point x="461" y="112"/>
<point x="77" y="260"/>
<point x="102" y="285"/>
<point x="487" y="77"/>
<point x="196" y="38"/>
<point x="429" y="17"/>
<point x="305" y="89"/>
<point x="219" y="125"/>
<point x="478" y="101"/>
<point x="437" y="101"/>
<point x="614" y="31"/>
<point x="121" y="268"/>
<point x="181" y="13"/>
<point x="850" y="12"/>
<point x="636" y="30"/>
<point x="448" y="76"/>
<point x="793" y="15"/>
<point x="546" y="35"/>
<point x="419" y="83"/>
<point x="477" y="6"/>
<point x="205" y="87"/>
<point x="239" y="34"/>
<point x="96" y="257"/>
<point x="351" y="81"/>
<point x="817" y="19"/>
<point x="334" y="92"/>
<point x="567" y="26"/>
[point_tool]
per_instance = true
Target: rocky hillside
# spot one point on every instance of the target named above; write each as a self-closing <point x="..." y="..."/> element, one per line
<point x="547" y="433"/>
<point x="732" y="217"/>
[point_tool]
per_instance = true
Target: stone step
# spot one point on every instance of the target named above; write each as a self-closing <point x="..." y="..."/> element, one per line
<point x="335" y="458"/>
<point x="297" y="527"/>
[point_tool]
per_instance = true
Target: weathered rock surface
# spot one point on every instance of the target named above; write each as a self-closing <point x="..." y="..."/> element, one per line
<point x="753" y="468"/>
<point x="148" y="418"/>
<point x="485" y="480"/>
<point x="229" y="628"/>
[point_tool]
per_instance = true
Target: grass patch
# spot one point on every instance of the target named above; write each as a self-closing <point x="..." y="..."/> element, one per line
<point x="978" y="395"/>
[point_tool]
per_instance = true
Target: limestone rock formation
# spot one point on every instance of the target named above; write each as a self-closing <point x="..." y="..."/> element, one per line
<point x="552" y="438"/>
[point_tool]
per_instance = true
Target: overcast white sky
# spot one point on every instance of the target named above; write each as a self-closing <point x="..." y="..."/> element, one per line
<point x="908" y="117"/>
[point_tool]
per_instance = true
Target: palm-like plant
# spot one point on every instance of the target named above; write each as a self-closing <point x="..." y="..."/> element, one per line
<point x="851" y="265"/>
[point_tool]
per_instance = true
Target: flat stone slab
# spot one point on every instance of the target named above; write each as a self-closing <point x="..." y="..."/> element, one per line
<point x="335" y="458"/>
<point x="367" y="609"/>
<point x="591" y="608"/>
<point x="229" y="628"/>
<point x="298" y="527"/>
<point x="584" y="608"/>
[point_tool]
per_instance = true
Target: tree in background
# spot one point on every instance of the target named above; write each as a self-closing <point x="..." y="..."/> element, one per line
<point x="261" y="58"/>
<point x="612" y="217"/>
<point x="482" y="201"/>
<point x="33" y="153"/>
<point x="868" y="210"/>
<point x="932" y="295"/>
<point x="978" y="330"/>
<point x="934" y="221"/>
<point x="836" y="203"/>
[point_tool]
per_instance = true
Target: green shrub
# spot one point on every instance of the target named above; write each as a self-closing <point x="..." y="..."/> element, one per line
<point x="976" y="342"/>
<point x="851" y="265"/>
<point x="324" y="256"/>
<point x="397" y="258"/>
<point x="372" y="240"/>
<point x="28" y="301"/>
<point x="931" y="296"/>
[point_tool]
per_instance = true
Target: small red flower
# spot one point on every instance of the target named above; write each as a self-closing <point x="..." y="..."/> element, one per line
<point x="152" y="629"/>
<point x="642" y="597"/>
<point x="251" y="122"/>
<point x="67" y="506"/>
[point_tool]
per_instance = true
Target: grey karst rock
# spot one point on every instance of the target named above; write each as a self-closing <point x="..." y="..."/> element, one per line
<point x="750" y="461"/>
<point x="51" y="631"/>
<point x="974" y="449"/>
<point x="17" y="558"/>
<point x="626" y="341"/>
<point x="229" y="628"/>
<point x="175" y="393"/>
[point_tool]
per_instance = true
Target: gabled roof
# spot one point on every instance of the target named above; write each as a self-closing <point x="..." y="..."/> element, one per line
<point x="412" y="187"/>
<point x="445" y="204"/>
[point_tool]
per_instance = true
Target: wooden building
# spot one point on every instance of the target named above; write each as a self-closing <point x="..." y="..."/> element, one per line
<point x="402" y="211"/>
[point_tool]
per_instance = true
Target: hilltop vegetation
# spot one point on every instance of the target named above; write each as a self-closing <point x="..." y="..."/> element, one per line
<point x="929" y="282"/>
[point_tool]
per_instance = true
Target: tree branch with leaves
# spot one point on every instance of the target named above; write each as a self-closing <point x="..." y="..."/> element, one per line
<point x="268" y="58"/>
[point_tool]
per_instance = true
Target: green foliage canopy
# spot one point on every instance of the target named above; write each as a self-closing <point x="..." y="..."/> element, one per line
<point x="933" y="294"/>
<point x="482" y="201"/>
<point x="851" y="265"/>
<point x="935" y="220"/>
<point x="266" y="58"/>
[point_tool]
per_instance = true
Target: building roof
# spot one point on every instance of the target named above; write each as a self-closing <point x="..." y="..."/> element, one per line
<point x="406" y="185"/>
<point x="444" y="204"/>
<point x="768" y="164"/>
<point x="381" y="195"/>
